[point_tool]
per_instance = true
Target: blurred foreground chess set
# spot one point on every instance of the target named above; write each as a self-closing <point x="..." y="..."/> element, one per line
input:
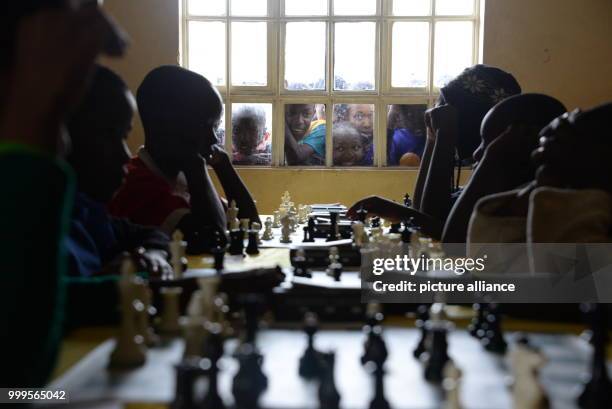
<point x="275" y="320"/>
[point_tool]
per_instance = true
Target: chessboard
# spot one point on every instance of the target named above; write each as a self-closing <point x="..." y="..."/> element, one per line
<point x="485" y="383"/>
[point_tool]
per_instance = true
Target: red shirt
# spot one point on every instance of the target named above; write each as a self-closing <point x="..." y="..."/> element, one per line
<point x="148" y="198"/>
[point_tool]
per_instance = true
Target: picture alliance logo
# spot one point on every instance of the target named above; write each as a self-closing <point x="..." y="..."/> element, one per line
<point x="411" y="265"/>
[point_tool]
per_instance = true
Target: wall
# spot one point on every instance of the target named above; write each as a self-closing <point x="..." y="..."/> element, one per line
<point x="558" y="47"/>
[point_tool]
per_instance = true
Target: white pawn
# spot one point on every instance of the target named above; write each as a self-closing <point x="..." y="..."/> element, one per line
<point x="244" y="226"/>
<point x="359" y="236"/>
<point x="268" y="234"/>
<point x="527" y="391"/>
<point x="170" y="318"/>
<point x="130" y="349"/>
<point x="451" y="384"/>
<point x="178" y="247"/>
<point x="232" y="216"/>
<point x="286" y="230"/>
<point x="277" y="219"/>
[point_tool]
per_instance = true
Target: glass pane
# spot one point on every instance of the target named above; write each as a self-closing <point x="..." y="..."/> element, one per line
<point x="249" y="54"/>
<point x="405" y="134"/>
<point x="252" y="134"/>
<point x="305" y="134"/>
<point x="411" y="7"/>
<point x="454" y="7"/>
<point x="221" y="129"/>
<point x="355" y="56"/>
<point x="253" y="8"/>
<point x="410" y="59"/>
<point x="354" y="7"/>
<point x="207" y="57"/>
<point x="305" y="8"/>
<point x="305" y="60"/>
<point x="353" y="135"/>
<point x="206" y="7"/>
<point x="453" y="50"/>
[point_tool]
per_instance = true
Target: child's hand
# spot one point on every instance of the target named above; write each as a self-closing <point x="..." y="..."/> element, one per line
<point x="438" y="118"/>
<point x="154" y="262"/>
<point x="378" y="206"/>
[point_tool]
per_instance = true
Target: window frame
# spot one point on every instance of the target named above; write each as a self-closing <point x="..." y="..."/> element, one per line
<point x="274" y="92"/>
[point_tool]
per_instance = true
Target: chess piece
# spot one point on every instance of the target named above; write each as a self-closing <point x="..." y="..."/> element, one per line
<point x="362" y="215"/>
<point x="493" y="339"/>
<point x="597" y="392"/>
<point x="268" y="234"/>
<point x="130" y="350"/>
<point x="375" y="222"/>
<point x="236" y="243"/>
<point x="333" y="235"/>
<point x="395" y="228"/>
<point x="213" y="351"/>
<point x="232" y="216"/>
<point x="527" y="391"/>
<point x="219" y="255"/>
<point x="144" y="317"/>
<point x="286" y="230"/>
<point x="436" y="355"/>
<point x="475" y="328"/>
<point x="244" y="226"/>
<point x="329" y="398"/>
<point x="335" y="267"/>
<point x="422" y="317"/>
<point x="178" y="247"/>
<point x="406" y="239"/>
<point x="359" y="235"/>
<point x="300" y="264"/>
<point x="451" y="384"/>
<point x="187" y="372"/>
<point x="310" y="362"/>
<point x="311" y="231"/>
<point x="305" y="230"/>
<point x="376" y="357"/>
<point x="170" y="315"/>
<point x="252" y="247"/>
<point x="277" y="219"/>
<point x="257" y="228"/>
<point x="407" y="200"/>
<point x="249" y="382"/>
<point x="293" y="223"/>
<point x="285" y="199"/>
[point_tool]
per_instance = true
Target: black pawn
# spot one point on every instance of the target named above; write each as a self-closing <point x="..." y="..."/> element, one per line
<point x="597" y="392"/>
<point x="219" y="255"/>
<point x="475" y="327"/>
<point x="437" y="352"/>
<point x="375" y="348"/>
<point x="493" y="340"/>
<point x="379" y="401"/>
<point x="422" y="317"/>
<point x="186" y="374"/>
<point x="236" y="243"/>
<point x="310" y="362"/>
<point x="213" y="352"/>
<point x="249" y="382"/>
<point x="407" y="200"/>
<point x="362" y="215"/>
<point x="333" y="227"/>
<point x="252" y="247"/>
<point x="395" y="228"/>
<point x="375" y="221"/>
<point x="337" y="271"/>
<point x="329" y="398"/>
<point x="300" y="265"/>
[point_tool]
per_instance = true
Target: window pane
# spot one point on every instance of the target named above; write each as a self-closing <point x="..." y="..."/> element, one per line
<point x="305" y="131"/>
<point x="305" y="59"/>
<point x="254" y="8"/>
<point x="220" y="131"/>
<point x="410" y="57"/>
<point x="252" y="134"/>
<point x="355" y="57"/>
<point x="207" y="57"/>
<point x="411" y="7"/>
<point x="405" y="134"/>
<point x="454" y="7"/>
<point x="305" y="8"/>
<point x="453" y="50"/>
<point x="354" y="7"/>
<point x="249" y="54"/>
<point x="206" y="7"/>
<point x="353" y="135"/>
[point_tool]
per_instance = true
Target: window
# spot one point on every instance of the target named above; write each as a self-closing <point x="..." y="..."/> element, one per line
<point x="332" y="83"/>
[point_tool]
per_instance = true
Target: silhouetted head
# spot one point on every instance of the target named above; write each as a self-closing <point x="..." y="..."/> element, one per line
<point x="349" y="145"/>
<point x="575" y="150"/>
<point x="298" y="118"/>
<point x="180" y="111"/>
<point x="99" y="128"/>
<point x="532" y="111"/>
<point x="248" y="127"/>
<point x="473" y="93"/>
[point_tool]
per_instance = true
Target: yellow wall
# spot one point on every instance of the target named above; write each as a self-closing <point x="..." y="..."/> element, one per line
<point x="559" y="47"/>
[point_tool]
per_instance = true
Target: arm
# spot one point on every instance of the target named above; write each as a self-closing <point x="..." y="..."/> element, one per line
<point x="233" y="186"/>
<point x="436" y="199"/>
<point x="297" y="154"/>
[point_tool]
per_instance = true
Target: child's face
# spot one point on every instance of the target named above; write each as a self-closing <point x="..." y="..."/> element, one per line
<point x="349" y="149"/>
<point x="361" y="116"/>
<point x="299" y="117"/>
<point x="246" y="136"/>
